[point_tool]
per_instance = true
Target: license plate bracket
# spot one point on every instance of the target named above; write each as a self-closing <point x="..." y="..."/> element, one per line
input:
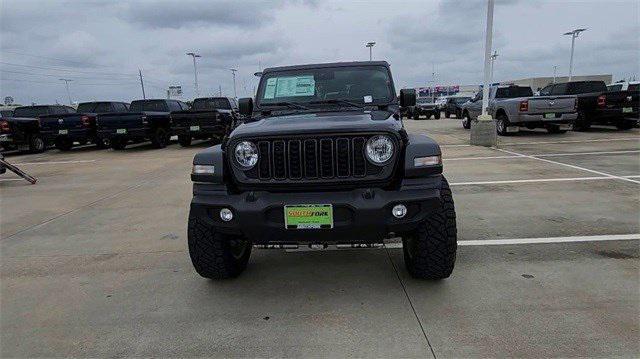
<point x="627" y="109"/>
<point x="63" y="132"/>
<point x="549" y="115"/>
<point x="194" y="128"/>
<point x="308" y="216"/>
<point x="121" y="131"/>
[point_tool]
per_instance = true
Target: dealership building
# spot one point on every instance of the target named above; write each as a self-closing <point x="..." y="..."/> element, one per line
<point x="539" y="82"/>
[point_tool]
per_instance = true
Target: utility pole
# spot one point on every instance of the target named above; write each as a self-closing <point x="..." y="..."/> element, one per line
<point x="195" y="72"/>
<point x="493" y="59"/>
<point x="219" y="90"/>
<point x="233" y="72"/>
<point x="144" y="97"/>
<point x="66" y="82"/>
<point x="574" y="34"/>
<point x="370" y="45"/>
<point x="555" y="69"/>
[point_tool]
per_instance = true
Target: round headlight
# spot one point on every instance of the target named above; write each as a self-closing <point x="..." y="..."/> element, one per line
<point x="246" y="154"/>
<point x="379" y="149"/>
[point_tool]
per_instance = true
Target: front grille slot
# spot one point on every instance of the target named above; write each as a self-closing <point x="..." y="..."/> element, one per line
<point x="316" y="158"/>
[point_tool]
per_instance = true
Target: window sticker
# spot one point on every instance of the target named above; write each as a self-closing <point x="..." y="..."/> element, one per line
<point x="293" y="86"/>
<point x="368" y="99"/>
<point x="270" y="89"/>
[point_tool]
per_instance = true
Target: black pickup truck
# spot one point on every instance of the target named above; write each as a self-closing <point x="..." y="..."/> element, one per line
<point x="322" y="159"/>
<point x="22" y="131"/>
<point x="209" y="117"/>
<point x="146" y="120"/>
<point x="597" y="106"/>
<point x="66" y="129"/>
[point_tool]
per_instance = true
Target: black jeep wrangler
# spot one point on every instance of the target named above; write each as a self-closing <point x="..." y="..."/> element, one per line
<point x="322" y="159"/>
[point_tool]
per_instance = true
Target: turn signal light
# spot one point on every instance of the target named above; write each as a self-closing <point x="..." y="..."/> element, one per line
<point x="4" y="126"/>
<point x="524" y="106"/>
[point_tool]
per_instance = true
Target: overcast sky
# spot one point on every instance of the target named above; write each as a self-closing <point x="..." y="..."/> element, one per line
<point x="100" y="45"/>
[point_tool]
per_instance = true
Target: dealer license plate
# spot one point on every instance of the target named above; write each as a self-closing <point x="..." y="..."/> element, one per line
<point x="549" y="115"/>
<point x="121" y="131"/>
<point x="308" y="216"/>
<point x="627" y="110"/>
<point x="194" y="128"/>
<point x="63" y="132"/>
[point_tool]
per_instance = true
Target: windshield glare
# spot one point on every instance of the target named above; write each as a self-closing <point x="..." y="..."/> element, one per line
<point x="358" y="84"/>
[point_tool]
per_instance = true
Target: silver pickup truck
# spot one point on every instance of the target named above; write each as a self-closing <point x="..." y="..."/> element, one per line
<point x="515" y="106"/>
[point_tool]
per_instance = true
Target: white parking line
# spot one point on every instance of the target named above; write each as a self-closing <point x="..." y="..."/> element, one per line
<point x="53" y="162"/>
<point x="568" y="165"/>
<point x="542" y="155"/>
<point x="543" y="240"/>
<point x="10" y="179"/>
<point x="569" y="141"/>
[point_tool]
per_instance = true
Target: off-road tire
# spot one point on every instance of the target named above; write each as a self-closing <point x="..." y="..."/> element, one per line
<point x="436" y="115"/>
<point x="430" y="250"/>
<point x="118" y="144"/>
<point x="102" y="143"/>
<point x="160" y="138"/>
<point x="582" y="123"/>
<point x="184" y="140"/>
<point x="502" y="125"/>
<point x="63" y="144"/>
<point x="37" y="144"/>
<point x="466" y="121"/>
<point x="212" y="253"/>
<point x="416" y="116"/>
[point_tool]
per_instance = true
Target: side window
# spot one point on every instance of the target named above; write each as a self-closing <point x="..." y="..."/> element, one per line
<point x="234" y="104"/>
<point x="546" y="91"/>
<point x="119" y="107"/>
<point x="173" y="106"/>
<point x="184" y="106"/>
<point x="57" y="110"/>
<point x="70" y="110"/>
<point x="559" y="89"/>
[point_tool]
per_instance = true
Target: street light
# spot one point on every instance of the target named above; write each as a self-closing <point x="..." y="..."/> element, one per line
<point x="233" y="72"/>
<point x="195" y="71"/>
<point x="66" y="82"/>
<point x="555" y="70"/>
<point x="574" y="34"/>
<point x="493" y="59"/>
<point x="370" y="45"/>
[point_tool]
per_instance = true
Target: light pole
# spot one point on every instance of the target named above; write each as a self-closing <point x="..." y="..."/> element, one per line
<point x="555" y="70"/>
<point x="66" y="82"/>
<point x="195" y="71"/>
<point x="370" y="45"/>
<point x="574" y="34"/>
<point x="493" y="59"/>
<point x="233" y="72"/>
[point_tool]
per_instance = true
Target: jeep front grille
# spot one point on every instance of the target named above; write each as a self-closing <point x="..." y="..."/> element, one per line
<point x="313" y="159"/>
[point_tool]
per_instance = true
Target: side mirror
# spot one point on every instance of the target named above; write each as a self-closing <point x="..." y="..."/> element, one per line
<point x="407" y="97"/>
<point x="245" y="106"/>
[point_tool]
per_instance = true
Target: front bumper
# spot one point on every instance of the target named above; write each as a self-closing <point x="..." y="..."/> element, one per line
<point x="360" y="216"/>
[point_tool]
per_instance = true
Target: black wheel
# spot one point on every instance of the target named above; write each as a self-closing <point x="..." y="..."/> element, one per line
<point x="436" y="115"/>
<point x="184" y="140"/>
<point x="625" y="125"/>
<point x="447" y="114"/>
<point x="502" y="124"/>
<point x="466" y="122"/>
<point x="160" y="138"/>
<point x="555" y="129"/>
<point x="36" y="144"/>
<point x="215" y="255"/>
<point x="416" y="116"/>
<point x="430" y="251"/>
<point x="582" y="122"/>
<point x="118" y="144"/>
<point x="102" y="143"/>
<point x="63" y="143"/>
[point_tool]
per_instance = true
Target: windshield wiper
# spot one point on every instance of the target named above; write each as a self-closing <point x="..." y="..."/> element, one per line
<point x="289" y="104"/>
<point x="336" y="101"/>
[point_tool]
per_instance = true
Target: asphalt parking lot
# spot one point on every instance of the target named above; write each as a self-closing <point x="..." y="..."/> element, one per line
<point x="94" y="262"/>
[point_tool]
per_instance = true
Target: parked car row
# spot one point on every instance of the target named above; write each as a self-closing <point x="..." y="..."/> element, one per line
<point x="117" y="124"/>
<point x="558" y="107"/>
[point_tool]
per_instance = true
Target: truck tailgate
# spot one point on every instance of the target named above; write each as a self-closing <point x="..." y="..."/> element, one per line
<point x="120" y="120"/>
<point x="552" y="104"/>
<point x="197" y="118"/>
<point x="55" y="123"/>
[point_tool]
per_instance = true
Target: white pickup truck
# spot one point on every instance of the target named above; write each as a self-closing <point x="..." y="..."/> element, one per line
<point x="514" y="107"/>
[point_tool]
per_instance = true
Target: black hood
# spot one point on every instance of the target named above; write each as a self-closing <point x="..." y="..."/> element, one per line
<point x="321" y="122"/>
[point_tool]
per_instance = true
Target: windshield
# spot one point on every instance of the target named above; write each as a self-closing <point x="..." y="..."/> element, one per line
<point x="148" y="105"/>
<point x="31" y="111"/>
<point x="357" y="84"/>
<point x="513" y="92"/>
<point x="614" y="87"/>
<point x="211" y="104"/>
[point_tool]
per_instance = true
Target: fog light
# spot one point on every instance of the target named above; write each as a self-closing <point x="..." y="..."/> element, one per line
<point x="203" y="170"/>
<point x="226" y="214"/>
<point x="399" y="210"/>
<point x="427" y="161"/>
